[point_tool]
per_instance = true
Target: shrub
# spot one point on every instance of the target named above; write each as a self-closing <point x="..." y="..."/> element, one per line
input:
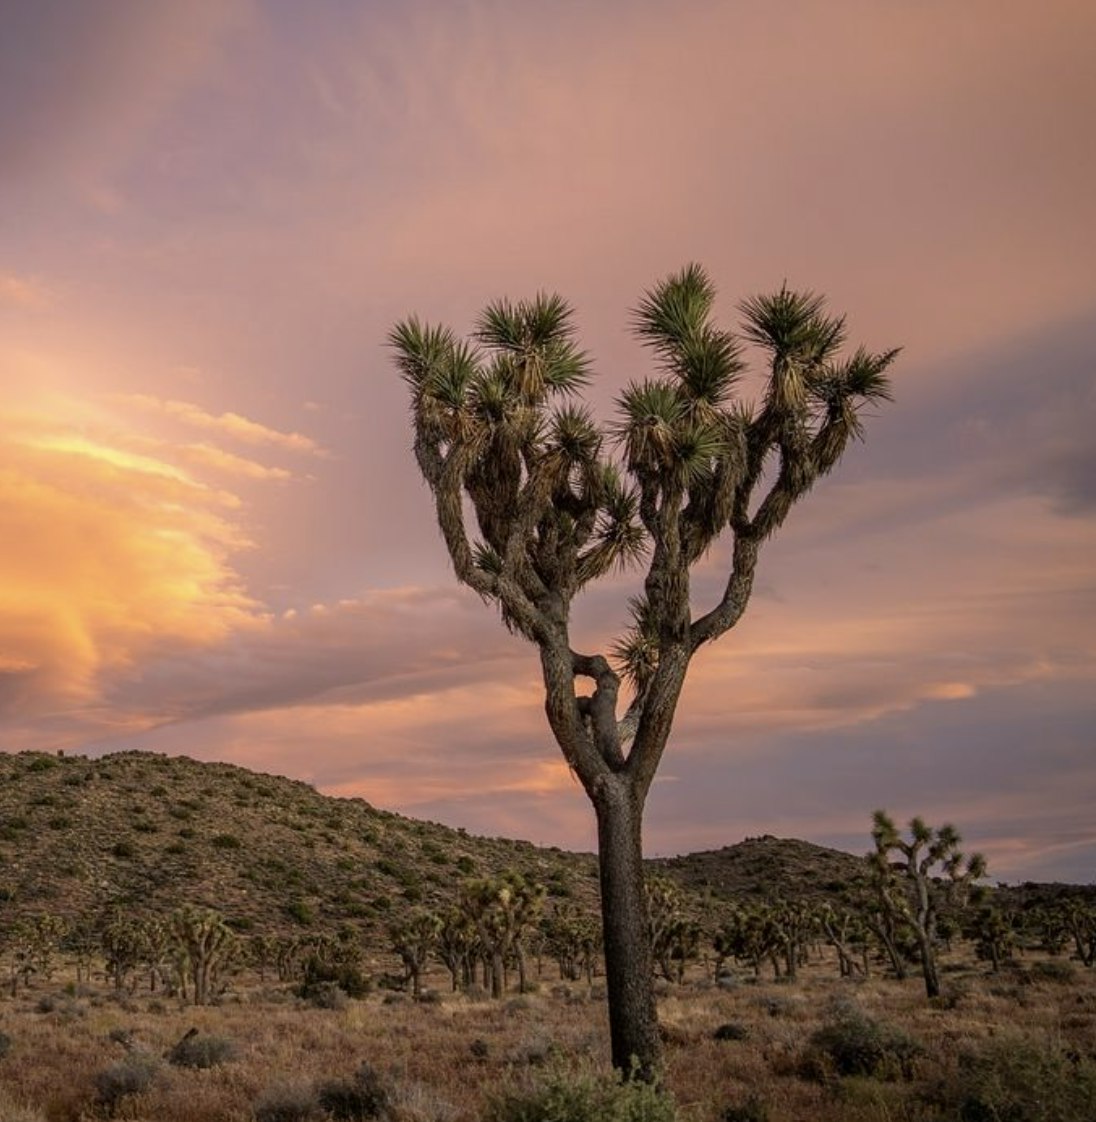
<point x="131" y="1076"/>
<point x="1054" y="970"/>
<point x="301" y="912"/>
<point x="225" y="841"/>
<point x="201" y="1050"/>
<point x="287" y="1103"/>
<point x="5" y="1044"/>
<point x="856" y="1045"/>
<point x="11" y="1110"/>
<point x="344" y="976"/>
<point x="751" y="1109"/>
<point x="364" y="1096"/>
<point x="324" y="995"/>
<point x="1011" y="1079"/>
<point x="567" y="1096"/>
<point x="124" y="849"/>
<point x="731" y="1031"/>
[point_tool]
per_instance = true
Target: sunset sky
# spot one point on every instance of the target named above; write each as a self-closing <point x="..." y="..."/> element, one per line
<point x="213" y="537"/>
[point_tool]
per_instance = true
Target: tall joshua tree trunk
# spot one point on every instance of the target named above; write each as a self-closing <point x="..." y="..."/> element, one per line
<point x="633" y="1017"/>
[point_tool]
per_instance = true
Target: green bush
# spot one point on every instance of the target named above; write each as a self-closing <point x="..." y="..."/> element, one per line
<point x="352" y="1100"/>
<point x="1054" y="970"/>
<point x="1016" y="1080"/>
<point x="568" y="1096"/>
<point x="853" y="1044"/>
<point x="301" y="912"/>
<point x="199" y="1050"/>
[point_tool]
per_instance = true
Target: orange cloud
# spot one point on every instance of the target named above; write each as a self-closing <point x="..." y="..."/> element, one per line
<point x="228" y="424"/>
<point x="207" y="455"/>
<point x="109" y="557"/>
<point x="22" y="292"/>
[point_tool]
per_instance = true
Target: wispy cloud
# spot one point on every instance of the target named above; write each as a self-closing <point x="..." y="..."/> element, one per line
<point x="228" y="424"/>
<point x="26" y="293"/>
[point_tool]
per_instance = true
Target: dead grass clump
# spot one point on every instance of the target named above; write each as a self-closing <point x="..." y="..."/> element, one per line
<point x="201" y="1050"/>
<point x="288" y="1103"/>
<point x="751" y="1109"/>
<point x="13" y="1111"/>
<point x="131" y="1076"/>
<point x="324" y="995"/>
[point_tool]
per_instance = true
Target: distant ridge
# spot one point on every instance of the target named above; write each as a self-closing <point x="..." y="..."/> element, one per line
<point x="767" y="867"/>
<point x="147" y="833"/>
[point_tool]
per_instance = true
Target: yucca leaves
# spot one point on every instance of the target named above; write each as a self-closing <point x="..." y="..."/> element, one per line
<point x="536" y="339"/>
<point x="675" y="310"/>
<point x="673" y="320"/>
<point x="491" y="426"/>
<point x="636" y="652"/>
<point x="651" y="414"/>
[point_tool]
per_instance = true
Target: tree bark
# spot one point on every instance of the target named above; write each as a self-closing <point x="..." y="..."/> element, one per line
<point x="629" y="977"/>
<point x="928" y="967"/>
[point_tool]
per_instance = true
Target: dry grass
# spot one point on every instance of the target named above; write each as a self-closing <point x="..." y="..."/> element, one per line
<point x="438" y="1058"/>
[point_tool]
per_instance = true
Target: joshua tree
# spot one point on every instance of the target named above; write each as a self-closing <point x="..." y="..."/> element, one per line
<point x="122" y="943"/>
<point x="41" y="937"/>
<point x="502" y="909"/>
<point x="994" y="935"/>
<point x="749" y="934"/>
<point x="413" y="939"/>
<point x="1080" y="922"/>
<point x="457" y="945"/>
<point x="912" y="876"/>
<point x="795" y="922"/>
<point x="205" y="945"/>
<point x="573" y="940"/>
<point x="846" y="931"/>
<point x="554" y="510"/>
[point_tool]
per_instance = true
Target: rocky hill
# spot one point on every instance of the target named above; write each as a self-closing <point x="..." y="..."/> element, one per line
<point x="147" y="833"/>
<point x="767" y="867"/>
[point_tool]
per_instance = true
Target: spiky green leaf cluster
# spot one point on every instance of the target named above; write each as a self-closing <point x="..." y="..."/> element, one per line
<point x="559" y="500"/>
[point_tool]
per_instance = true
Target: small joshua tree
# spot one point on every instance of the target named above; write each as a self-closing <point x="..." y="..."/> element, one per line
<point x="502" y="909"/>
<point x="911" y="878"/>
<point x="413" y="939"/>
<point x="534" y="507"/>
<point x="205" y="945"/>
<point x="994" y="935"/>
